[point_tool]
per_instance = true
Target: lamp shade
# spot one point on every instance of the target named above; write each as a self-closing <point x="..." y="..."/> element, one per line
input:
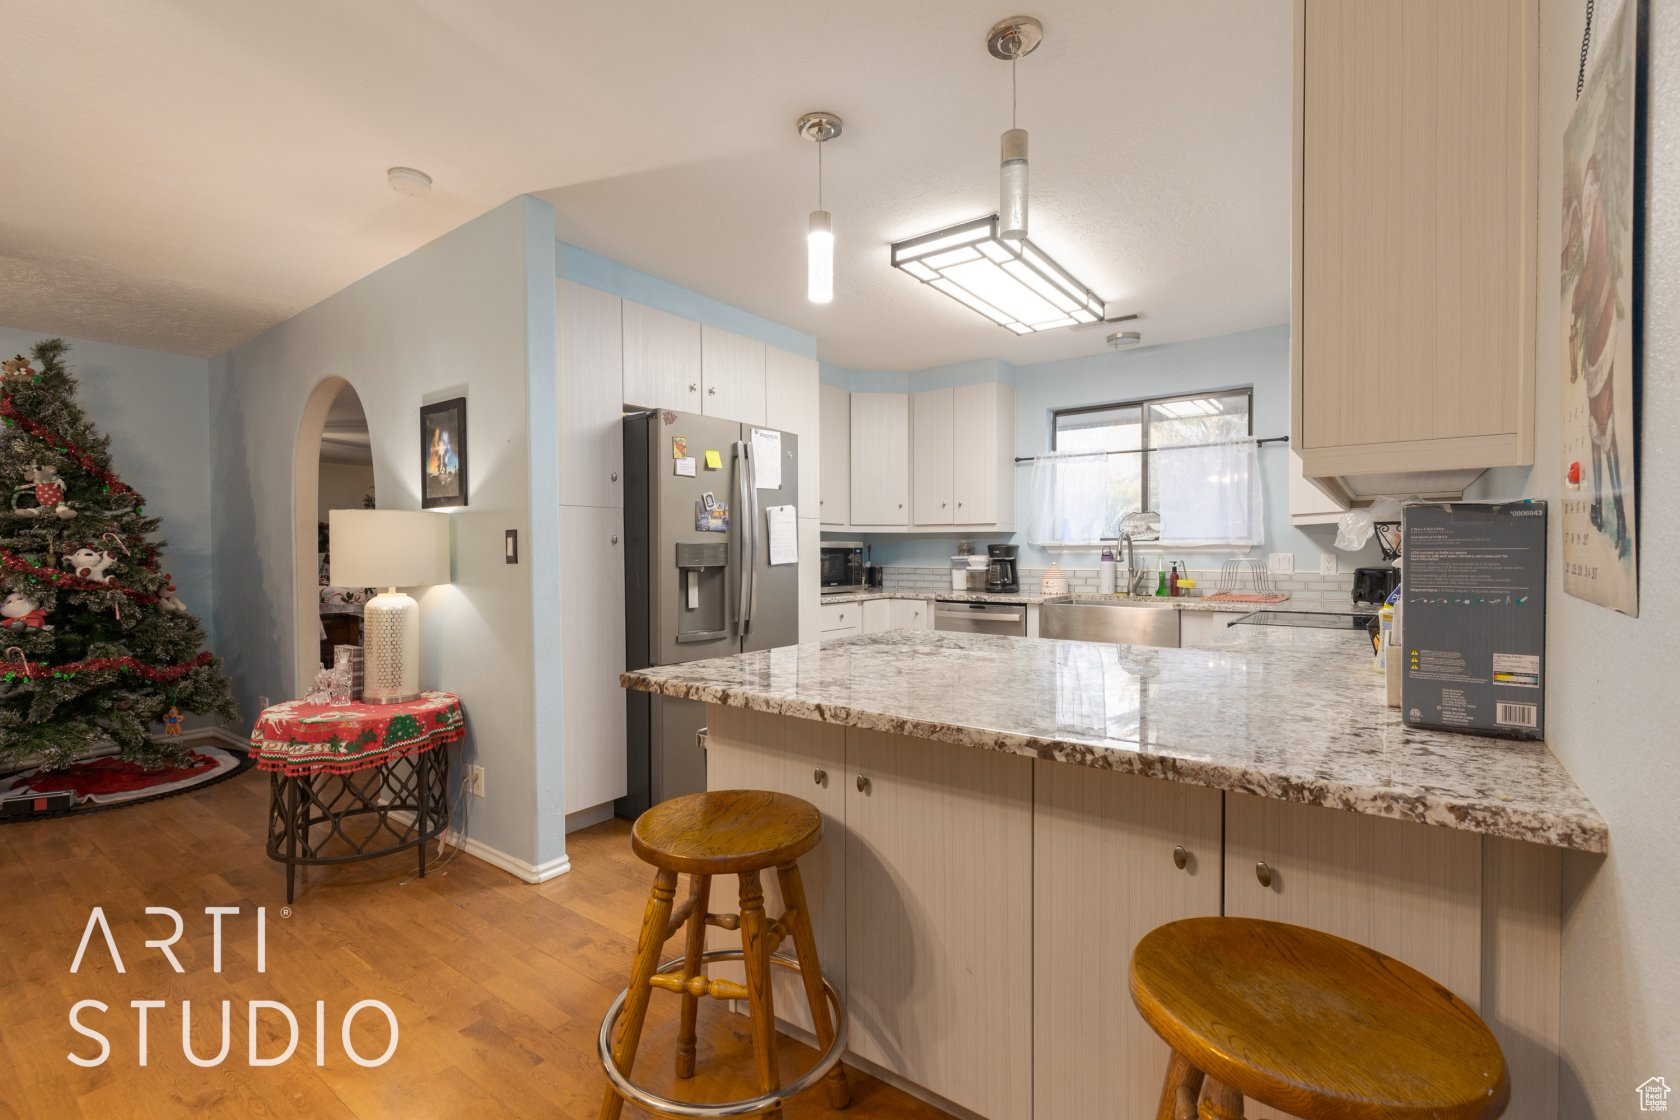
<point x="388" y="547"/>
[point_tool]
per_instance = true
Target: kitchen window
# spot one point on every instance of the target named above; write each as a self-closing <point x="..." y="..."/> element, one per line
<point x="1189" y="458"/>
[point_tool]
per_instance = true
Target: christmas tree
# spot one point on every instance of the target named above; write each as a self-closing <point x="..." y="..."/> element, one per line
<point x="97" y="647"/>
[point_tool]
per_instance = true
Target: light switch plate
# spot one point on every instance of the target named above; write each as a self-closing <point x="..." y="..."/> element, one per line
<point x="1327" y="564"/>
<point x="1281" y="563"/>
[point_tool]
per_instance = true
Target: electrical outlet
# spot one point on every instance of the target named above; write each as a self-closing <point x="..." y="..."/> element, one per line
<point x="1281" y="563"/>
<point x="475" y="780"/>
<point x="262" y="702"/>
<point x="1327" y="564"/>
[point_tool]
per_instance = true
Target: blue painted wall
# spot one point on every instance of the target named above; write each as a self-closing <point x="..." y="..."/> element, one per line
<point x="592" y="271"/>
<point x="156" y="409"/>
<point x="1257" y="359"/>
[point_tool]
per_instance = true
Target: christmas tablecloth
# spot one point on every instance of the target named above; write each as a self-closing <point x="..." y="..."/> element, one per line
<point x="301" y="738"/>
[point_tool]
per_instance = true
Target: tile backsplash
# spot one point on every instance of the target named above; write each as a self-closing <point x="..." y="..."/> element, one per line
<point x="1303" y="586"/>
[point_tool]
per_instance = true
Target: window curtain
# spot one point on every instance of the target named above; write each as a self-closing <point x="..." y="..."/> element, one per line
<point x="1069" y="498"/>
<point x="1210" y="494"/>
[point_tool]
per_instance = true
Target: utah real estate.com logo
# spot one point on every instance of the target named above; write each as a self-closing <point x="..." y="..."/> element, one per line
<point x="1653" y="1095"/>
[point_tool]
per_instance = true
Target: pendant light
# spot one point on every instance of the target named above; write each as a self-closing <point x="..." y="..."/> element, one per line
<point x="819" y="237"/>
<point x="1011" y="40"/>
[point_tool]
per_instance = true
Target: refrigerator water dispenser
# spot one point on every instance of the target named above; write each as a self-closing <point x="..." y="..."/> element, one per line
<point x="703" y="593"/>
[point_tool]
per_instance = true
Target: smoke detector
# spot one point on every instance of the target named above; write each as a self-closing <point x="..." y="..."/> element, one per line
<point x="1119" y="340"/>
<point x="407" y="180"/>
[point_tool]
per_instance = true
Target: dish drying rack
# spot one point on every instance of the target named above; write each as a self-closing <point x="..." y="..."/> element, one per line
<point x="1232" y="576"/>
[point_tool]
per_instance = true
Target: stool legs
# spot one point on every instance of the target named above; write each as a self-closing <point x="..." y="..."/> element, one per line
<point x="700" y="891"/>
<point x="652" y="939"/>
<point x="1178" y="1094"/>
<point x="810" y="972"/>
<point x="755" y="942"/>
<point x="1220" y="1102"/>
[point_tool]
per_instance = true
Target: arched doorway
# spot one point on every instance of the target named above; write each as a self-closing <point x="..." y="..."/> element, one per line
<point x="332" y="469"/>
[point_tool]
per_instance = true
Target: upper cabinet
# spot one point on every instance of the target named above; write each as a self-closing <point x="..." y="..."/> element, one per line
<point x="791" y="405"/>
<point x="880" y="430"/>
<point x="933" y="457"/>
<point x="661" y="359"/>
<point x="963" y="456"/>
<point x="732" y="376"/>
<point x="591" y="395"/>
<point x="1414" y="252"/>
<point x="835" y="502"/>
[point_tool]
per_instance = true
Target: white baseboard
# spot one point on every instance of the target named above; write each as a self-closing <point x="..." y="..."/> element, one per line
<point x="221" y="736"/>
<point x="495" y="857"/>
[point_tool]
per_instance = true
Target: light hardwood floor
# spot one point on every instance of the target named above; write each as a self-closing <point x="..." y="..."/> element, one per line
<point x="498" y="986"/>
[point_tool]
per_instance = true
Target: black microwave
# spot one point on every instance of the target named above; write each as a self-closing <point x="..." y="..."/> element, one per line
<point x="842" y="566"/>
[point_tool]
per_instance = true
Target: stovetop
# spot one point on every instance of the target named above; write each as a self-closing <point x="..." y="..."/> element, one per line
<point x="1317" y="620"/>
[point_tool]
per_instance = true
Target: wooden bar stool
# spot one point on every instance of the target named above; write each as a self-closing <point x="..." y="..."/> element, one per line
<point x="724" y="832"/>
<point x="1311" y="1024"/>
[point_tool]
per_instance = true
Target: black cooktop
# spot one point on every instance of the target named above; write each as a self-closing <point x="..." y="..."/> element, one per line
<point x="1313" y="620"/>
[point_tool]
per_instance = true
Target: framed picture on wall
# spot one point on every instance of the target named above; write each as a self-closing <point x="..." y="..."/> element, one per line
<point x="443" y="453"/>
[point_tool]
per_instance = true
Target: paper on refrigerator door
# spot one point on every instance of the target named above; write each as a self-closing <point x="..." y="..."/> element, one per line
<point x="767" y="458"/>
<point x="784" y="534"/>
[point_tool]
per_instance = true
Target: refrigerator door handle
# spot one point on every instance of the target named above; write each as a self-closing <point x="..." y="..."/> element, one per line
<point x="743" y="538"/>
<point x="752" y="537"/>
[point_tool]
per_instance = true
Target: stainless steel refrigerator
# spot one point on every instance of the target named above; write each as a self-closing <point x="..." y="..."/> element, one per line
<point x="706" y="502"/>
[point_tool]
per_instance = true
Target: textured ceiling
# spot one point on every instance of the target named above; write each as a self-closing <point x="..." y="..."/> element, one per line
<point x="182" y="175"/>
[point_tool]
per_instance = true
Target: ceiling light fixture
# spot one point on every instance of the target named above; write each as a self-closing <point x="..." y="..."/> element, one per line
<point x="819" y="237"/>
<point x="1120" y="339"/>
<point x="1012" y="40"/>
<point x="407" y="180"/>
<point x="1013" y="283"/>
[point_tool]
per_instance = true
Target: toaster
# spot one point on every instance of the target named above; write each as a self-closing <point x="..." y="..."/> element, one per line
<point x="1373" y="585"/>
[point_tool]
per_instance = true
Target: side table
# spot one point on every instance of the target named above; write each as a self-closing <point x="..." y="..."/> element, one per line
<point x="331" y="765"/>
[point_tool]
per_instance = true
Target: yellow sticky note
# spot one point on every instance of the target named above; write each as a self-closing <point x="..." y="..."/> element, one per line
<point x="714" y="461"/>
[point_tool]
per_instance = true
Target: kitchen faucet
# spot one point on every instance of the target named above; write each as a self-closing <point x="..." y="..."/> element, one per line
<point x="1143" y="525"/>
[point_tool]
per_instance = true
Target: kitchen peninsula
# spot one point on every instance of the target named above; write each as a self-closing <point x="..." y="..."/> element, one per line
<point x="1006" y="817"/>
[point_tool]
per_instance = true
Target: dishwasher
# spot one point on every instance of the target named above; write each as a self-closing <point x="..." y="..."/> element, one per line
<point x="958" y="617"/>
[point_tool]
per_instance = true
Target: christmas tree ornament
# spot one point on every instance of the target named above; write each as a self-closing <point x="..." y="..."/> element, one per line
<point x="46" y="489"/>
<point x="90" y="564"/>
<point x="20" y="612"/>
<point x="172" y="721"/>
<point x="16" y="367"/>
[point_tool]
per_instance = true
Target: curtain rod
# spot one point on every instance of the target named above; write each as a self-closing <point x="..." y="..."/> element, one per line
<point x="1174" y="447"/>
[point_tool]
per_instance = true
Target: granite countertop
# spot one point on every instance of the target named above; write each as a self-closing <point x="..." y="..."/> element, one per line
<point x="859" y="594"/>
<point x="1295" y="715"/>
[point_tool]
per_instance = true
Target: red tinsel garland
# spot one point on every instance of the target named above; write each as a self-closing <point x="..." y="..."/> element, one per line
<point x="99" y="664"/>
<point x="70" y="580"/>
<point x="10" y="411"/>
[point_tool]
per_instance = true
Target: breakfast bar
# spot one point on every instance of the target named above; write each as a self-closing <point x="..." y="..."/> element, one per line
<point x="1006" y="817"/>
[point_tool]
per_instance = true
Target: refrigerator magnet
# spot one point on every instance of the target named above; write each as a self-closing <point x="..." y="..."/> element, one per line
<point x="679" y="447"/>
<point x="714" y="461"/>
<point x="709" y="500"/>
<point x="685" y="466"/>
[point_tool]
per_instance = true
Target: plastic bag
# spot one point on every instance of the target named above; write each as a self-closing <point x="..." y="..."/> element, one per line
<point x="1354" y="530"/>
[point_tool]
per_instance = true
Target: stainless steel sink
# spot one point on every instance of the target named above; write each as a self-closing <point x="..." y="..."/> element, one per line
<point x="1133" y="622"/>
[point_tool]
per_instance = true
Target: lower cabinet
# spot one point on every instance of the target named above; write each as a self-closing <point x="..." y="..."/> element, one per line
<point x="1106" y="871"/>
<point x="1204" y="629"/>
<point x="939" y="931"/>
<point x="877" y="615"/>
<point x="592" y="710"/>
<point x="910" y="614"/>
<point x="757" y="750"/>
<point x="840" y="619"/>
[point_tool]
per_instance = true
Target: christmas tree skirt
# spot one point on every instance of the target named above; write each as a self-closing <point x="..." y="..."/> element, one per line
<point x="105" y="782"/>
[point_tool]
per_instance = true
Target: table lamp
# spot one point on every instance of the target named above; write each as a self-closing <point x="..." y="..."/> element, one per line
<point x="389" y="548"/>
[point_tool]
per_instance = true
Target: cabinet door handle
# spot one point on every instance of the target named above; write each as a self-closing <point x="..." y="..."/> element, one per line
<point x="693" y="388"/>
<point x="820" y="777"/>
<point x="942" y="505"/>
<point x="862" y="784"/>
<point x="900" y="505"/>
<point x="712" y="392"/>
<point x="615" y="540"/>
<point x="959" y="505"/>
<point x="1263" y="872"/>
<point x="615" y="476"/>
<point x="1180" y="857"/>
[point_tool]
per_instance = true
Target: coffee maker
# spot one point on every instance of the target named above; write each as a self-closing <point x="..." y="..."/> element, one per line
<point x="1002" y="575"/>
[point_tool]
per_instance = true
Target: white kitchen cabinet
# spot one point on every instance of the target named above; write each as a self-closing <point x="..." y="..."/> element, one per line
<point x="877" y="615"/>
<point x="1413" y="307"/>
<point x="1308" y="504"/>
<point x="661" y="359"/>
<point x="592" y="713"/>
<point x="810" y="580"/>
<point x="1106" y="871"/>
<point x="1412" y="892"/>
<point x="590" y="395"/>
<point x="939" y="924"/>
<point x="933" y="457"/>
<point x="758" y="750"/>
<point x="910" y="614"/>
<point x="731" y="376"/>
<point x="835" y="496"/>
<point x="792" y="404"/>
<point x="841" y="619"/>
<point x="984" y="453"/>
<point x="1204" y="629"/>
<point x="880" y="439"/>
